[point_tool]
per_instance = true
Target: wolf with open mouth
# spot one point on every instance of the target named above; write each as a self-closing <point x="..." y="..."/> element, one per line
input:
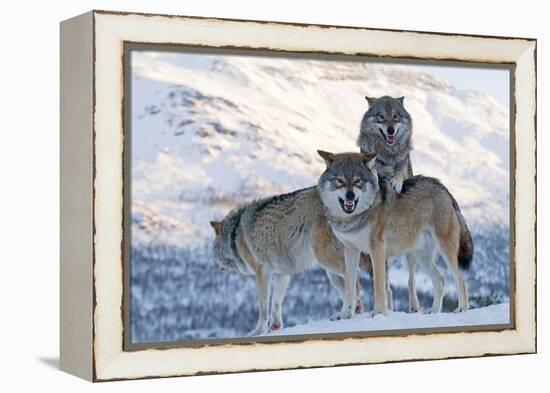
<point x="276" y="237"/>
<point x="369" y="217"/>
<point x="386" y="130"/>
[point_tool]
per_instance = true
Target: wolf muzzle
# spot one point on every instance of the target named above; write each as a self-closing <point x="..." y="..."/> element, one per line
<point x="350" y="203"/>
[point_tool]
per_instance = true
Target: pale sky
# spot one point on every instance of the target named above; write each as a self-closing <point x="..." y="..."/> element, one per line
<point x="495" y="82"/>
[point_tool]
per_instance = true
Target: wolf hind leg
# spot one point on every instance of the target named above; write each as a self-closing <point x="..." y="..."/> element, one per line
<point x="389" y="292"/>
<point x="337" y="282"/>
<point x="449" y="250"/>
<point x="359" y="309"/>
<point x="280" y="285"/>
<point x="414" y="304"/>
<point x="263" y="281"/>
<point x="389" y="296"/>
<point x="427" y="262"/>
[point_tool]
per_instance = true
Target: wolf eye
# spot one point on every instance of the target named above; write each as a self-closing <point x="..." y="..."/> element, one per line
<point x="380" y="117"/>
<point x="358" y="183"/>
<point x="339" y="182"/>
<point x="396" y="116"/>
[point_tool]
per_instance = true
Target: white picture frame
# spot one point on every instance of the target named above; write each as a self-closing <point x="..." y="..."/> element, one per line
<point x="92" y="195"/>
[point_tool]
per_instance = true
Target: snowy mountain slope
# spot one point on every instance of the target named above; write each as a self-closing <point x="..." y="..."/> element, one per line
<point x="216" y="131"/>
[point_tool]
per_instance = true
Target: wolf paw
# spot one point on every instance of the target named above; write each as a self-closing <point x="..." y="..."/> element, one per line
<point x="431" y="310"/>
<point x="414" y="308"/>
<point x="380" y="310"/>
<point x="274" y="326"/>
<point x="258" y="331"/>
<point x="345" y="314"/>
<point x="460" y="309"/>
<point x="359" y="309"/>
<point x="396" y="183"/>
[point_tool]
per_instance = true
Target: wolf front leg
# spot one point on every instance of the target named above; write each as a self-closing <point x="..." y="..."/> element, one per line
<point x="338" y="283"/>
<point x="397" y="182"/>
<point x="280" y="285"/>
<point x="378" y="257"/>
<point x="351" y="267"/>
<point x="402" y="172"/>
<point x="263" y="281"/>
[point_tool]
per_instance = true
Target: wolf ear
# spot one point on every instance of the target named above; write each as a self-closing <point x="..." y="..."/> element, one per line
<point x="328" y="157"/>
<point x="401" y="99"/>
<point x="217" y="227"/>
<point x="369" y="160"/>
<point x="370" y="100"/>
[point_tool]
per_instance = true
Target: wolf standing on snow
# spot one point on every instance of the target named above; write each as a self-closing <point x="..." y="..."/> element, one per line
<point x="274" y="238"/>
<point x="386" y="131"/>
<point x="370" y="217"/>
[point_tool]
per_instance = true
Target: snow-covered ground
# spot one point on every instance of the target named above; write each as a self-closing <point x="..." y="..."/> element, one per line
<point x="211" y="132"/>
<point x="491" y="315"/>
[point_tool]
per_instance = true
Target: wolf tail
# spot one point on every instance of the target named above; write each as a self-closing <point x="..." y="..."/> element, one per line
<point x="465" y="245"/>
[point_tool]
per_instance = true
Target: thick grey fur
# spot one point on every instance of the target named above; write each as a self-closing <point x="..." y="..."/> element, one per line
<point x="394" y="158"/>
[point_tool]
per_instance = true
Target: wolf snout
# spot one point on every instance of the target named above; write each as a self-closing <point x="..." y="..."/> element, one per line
<point x="390" y="130"/>
<point x="350" y="196"/>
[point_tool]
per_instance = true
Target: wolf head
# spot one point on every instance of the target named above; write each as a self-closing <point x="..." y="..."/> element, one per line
<point x="349" y="184"/>
<point x="388" y="120"/>
<point x="224" y="247"/>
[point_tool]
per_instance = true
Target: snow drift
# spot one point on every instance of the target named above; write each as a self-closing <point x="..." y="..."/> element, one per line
<point x="491" y="315"/>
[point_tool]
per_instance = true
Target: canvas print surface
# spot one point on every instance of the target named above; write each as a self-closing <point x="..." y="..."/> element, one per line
<point x="226" y="195"/>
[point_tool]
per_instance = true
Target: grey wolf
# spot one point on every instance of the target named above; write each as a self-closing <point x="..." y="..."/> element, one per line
<point x="273" y="239"/>
<point x="386" y="131"/>
<point x="368" y="216"/>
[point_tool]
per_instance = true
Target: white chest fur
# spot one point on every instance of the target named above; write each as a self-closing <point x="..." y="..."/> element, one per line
<point x="359" y="239"/>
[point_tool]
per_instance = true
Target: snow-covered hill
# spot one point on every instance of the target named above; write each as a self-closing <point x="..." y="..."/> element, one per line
<point x="210" y="132"/>
<point x="498" y="314"/>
